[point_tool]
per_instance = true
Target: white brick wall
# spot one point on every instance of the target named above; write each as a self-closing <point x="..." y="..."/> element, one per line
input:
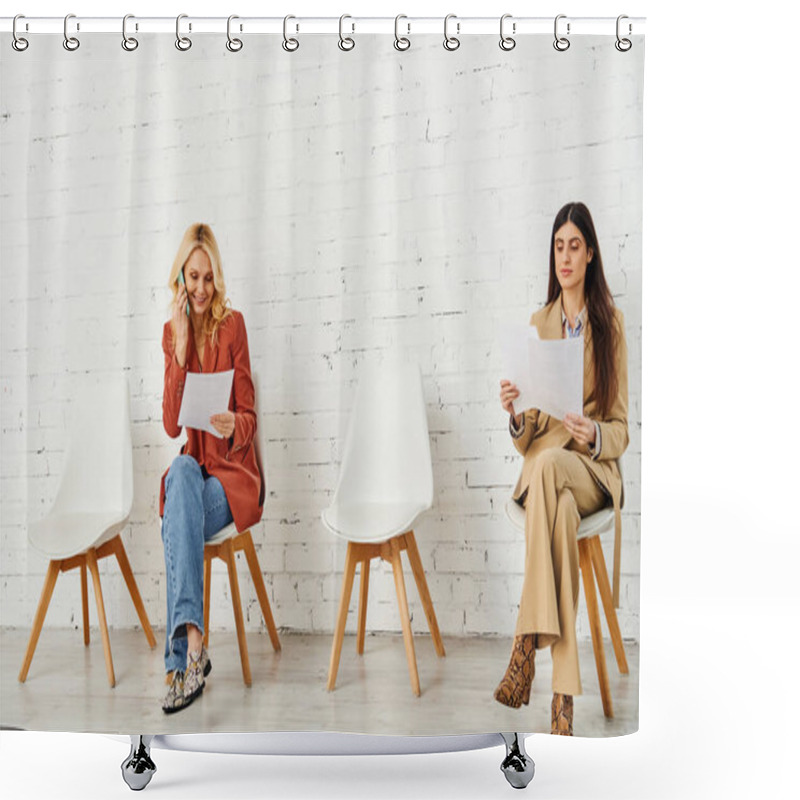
<point x="363" y="202"/>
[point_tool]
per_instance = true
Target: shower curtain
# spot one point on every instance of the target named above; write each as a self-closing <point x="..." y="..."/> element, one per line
<point x="372" y="207"/>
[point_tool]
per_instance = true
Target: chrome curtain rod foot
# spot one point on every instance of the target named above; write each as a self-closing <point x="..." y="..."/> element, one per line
<point x="517" y="766"/>
<point x="138" y="768"/>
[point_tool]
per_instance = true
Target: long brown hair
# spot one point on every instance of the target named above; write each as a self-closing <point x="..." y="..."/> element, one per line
<point x="200" y="235"/>
<point x="599" y="304"/>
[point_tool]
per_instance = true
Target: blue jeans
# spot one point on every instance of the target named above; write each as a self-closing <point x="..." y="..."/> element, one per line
<point x="195" y="508"/>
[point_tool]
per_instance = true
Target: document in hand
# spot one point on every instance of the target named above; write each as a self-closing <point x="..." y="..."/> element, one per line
<point x="205" y="394"/>
<point x="547" y="372"/>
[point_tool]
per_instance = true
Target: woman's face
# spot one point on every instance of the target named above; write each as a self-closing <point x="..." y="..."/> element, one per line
<point x="199" y="279"/>
<point x="571" y="256"/>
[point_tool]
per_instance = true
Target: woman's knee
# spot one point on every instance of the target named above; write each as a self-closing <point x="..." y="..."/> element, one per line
<point x="548" y="463"/>
<point x="183" y="468"/>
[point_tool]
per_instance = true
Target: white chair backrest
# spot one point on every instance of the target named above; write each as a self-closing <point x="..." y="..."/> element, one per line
<point x="98" y="466"/>
<point x="387" y="452"/>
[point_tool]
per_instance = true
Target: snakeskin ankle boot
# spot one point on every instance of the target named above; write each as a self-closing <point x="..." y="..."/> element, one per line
<point x="515" y="688"/>
<point x="561" y="715"/>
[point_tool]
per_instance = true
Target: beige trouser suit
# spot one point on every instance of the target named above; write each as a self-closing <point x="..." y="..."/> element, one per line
<point x="561" y="482"/>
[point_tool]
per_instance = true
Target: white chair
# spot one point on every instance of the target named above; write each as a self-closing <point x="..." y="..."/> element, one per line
<point x="592" y="564"/>
<point x="385" y="483"/>
<point x="224" y="545"/>
<point x="92" y="506"/>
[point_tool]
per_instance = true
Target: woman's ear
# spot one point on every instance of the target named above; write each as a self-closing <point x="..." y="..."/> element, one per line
<point x="591" y="255"/>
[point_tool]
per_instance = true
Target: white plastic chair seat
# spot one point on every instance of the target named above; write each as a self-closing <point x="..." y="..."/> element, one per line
<point x="97" y="472"/>
<point x="386" y="476"/>
<point x="222" y="535"/>
<point x="597" y="524"/>
<point x="91" y="507"/>
<point x="385" y="483"/>
<point x="371" y="522"/>
<point x="63" y="535"/>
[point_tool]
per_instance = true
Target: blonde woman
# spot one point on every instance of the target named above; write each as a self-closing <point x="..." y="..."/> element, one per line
<point x="215" y="480"/>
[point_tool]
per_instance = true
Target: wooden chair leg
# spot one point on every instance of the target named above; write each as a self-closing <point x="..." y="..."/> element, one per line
<point x="596" y="552"/>
<point x="236" y="599"/>
<point x="405" y="619"/>
<point x="53" y="568"/>
<point x="207" y="559"/>
<point x="133" y="589"/>
<point x="91" y="561"/>
<point x="341" y="618"/>
<point x="424" y="593"/>
<point x="362" y="606"/>
<point x="594" y="624"/>
<point x="85" y="604"/>
<point x="261" y="590"/>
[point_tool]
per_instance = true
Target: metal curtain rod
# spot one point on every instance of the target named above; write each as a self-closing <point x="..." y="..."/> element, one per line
<point x="461" y="26"/>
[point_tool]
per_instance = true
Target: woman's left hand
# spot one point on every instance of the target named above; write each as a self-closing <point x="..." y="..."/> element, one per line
<point x="580" y="428"/>
<point x="224" y="424"/>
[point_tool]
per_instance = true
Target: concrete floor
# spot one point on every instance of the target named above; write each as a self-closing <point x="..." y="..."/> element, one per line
<point x="67" y="687"/>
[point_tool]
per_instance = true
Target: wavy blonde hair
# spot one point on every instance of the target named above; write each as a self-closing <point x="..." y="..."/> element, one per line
<point x="200" y="235"/>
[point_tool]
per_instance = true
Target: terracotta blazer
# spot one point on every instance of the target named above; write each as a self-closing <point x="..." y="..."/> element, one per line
<point x="542" y="431"/>
<point x="232" y="461"/>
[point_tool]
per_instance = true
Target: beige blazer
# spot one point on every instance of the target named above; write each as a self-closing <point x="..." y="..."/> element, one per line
<point x="542" y="431"/>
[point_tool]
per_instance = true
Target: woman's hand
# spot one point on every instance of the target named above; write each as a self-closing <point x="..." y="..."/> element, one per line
<point x="508" y="394"/>
<point x="180" y="322"/>
<point x="580" y="428"/>
<point x="224" y="424"/>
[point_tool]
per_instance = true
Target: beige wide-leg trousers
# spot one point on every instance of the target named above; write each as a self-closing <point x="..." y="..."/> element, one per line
<point x="560" y="492"/>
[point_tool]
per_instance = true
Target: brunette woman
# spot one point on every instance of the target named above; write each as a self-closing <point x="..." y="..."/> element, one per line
<point x="570" y="466"/>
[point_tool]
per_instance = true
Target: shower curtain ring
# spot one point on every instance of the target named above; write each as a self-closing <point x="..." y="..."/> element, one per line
<point x="129" y="43"/>
<point x="507" y="42"/>
<point x="233" y="44"/>
<point x="289" y="44"/>
<point x="183" y="43"/>
<point x="18" y="42"/>
<point x="561" y="43"/>
<point x="346" y="42"/>
<point x="623" y="45"/>
<point x="70" y="42"/>
<point x="451" y="42"/>
<point x="401" y="42"/>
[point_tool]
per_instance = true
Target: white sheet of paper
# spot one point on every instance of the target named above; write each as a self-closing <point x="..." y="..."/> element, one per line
<point x="205" y="394"/>
<point x="516" y="368"/>
<point x="556" y="367"/>
<point x="547" y="372"/>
